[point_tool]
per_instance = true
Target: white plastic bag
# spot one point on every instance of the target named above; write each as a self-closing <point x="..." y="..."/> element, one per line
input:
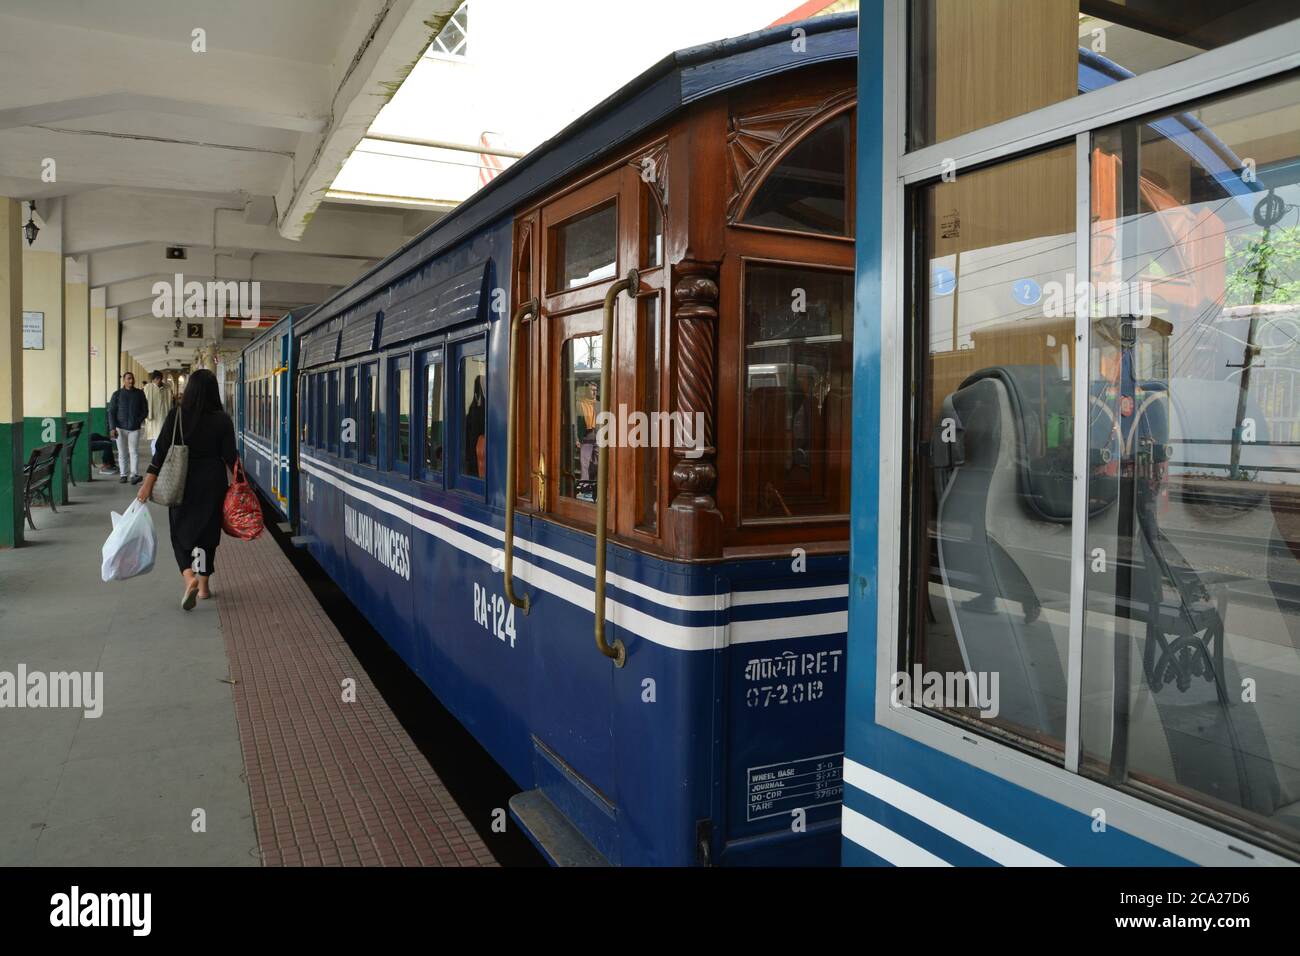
<point x="130" y="547"/>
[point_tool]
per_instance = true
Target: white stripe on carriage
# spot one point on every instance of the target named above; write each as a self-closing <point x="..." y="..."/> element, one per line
<point x="259" y="448"/>
<point x="681" y="602"/>
<point x="884" y="842"/>
<point x="665" y="633"/>
<point x="982" y="839"/>
<point x="740" y="598"/>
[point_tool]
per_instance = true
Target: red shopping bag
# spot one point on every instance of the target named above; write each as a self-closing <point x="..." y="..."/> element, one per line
<point x="241" y="514"/>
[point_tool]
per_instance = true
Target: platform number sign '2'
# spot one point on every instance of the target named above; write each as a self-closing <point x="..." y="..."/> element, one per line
<point x="495" y="614"/>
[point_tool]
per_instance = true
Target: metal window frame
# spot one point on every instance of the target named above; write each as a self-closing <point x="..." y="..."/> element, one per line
<point x="1266" y="54"/>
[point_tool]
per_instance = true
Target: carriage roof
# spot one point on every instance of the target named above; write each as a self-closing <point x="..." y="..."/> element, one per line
<point x="677" y="80"/>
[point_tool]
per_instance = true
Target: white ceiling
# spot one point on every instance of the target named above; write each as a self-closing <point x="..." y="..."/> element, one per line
<point x="228" y="152"/>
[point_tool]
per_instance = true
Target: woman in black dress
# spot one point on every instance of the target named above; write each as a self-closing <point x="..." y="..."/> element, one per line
<point x="196" y="521"/>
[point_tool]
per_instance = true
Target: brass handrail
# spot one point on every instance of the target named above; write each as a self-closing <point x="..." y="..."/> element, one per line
<point x="616" y="652"/>
<point x="526" y="308"/>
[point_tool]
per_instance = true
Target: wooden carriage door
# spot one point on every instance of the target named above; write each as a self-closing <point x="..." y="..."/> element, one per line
<point x="585" y="239"/>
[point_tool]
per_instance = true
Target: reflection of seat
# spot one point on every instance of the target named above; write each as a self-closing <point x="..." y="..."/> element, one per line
<point x="1003" y="536"/>
<point x="974" y="529"/>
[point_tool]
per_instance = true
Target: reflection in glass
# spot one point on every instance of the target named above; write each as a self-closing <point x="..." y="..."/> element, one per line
<point x="647" y="454"/>
<point x="978" y="62"/>
<point x="1191" y="676"/>
<point x="585" y="247"/>
<point x="473" y="380"/>
<point x="372" y="413"/>
<point x="808" y="189"/>
<point x="402" y="406"/>
<point x="797" y="415"/>
<point x="433" y="417"/>
<point x="579" y="406"/>
<point x="994" y="426"/>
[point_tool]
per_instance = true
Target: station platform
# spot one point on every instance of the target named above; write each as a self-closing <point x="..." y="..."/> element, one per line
<point x="225" y="737"/>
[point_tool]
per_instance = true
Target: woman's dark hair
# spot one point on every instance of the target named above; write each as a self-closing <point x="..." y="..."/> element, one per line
<point x="201" y="395"/>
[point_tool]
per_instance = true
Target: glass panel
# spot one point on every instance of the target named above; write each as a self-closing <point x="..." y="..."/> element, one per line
<point x="350" y="410"/>
<point x="585" y="248"/>
<point x="473" y="380"/>
<point x="579" y="406"/>
<point x="433" y="417"/>
<point x="993" y="454"/>
<point x="978" y="62"/>
<point x="647" y="452"/>
<point x="798" y="355"/>
<point x="334" y="414"/>
<point x="372" y="413"/>
<point x="652" y="242"/>
<point x="1191" y="670"/>
<point x="807" y="191"/>
<point x="402" y="415"/>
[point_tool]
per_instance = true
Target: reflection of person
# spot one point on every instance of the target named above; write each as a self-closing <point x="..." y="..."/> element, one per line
<point x="196" y="521"/>
<point x="474" y="450"/>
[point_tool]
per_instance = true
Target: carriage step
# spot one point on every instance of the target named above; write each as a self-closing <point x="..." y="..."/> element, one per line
<point x="301" y="540"/>
<point x="550" y="831"/>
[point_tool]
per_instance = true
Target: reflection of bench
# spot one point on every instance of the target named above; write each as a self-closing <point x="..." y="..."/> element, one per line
<point x="1003" y="536"/>
<point x="39" y="478"/>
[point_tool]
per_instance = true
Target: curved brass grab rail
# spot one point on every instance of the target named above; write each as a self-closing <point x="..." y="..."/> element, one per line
<point x="525" y="309"/>
<point x="630" y="283"/>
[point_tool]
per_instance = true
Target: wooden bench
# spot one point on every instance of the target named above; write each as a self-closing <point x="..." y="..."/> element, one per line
<point x="39" y="478"/>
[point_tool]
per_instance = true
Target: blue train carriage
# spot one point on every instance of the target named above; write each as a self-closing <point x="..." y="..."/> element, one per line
<point x="662" y="676"/>
<point x="266" y="413"/>
<point x="1075" y="594"/>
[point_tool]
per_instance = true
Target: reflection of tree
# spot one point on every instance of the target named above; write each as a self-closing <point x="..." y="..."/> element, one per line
<point x="1264" y="268"/>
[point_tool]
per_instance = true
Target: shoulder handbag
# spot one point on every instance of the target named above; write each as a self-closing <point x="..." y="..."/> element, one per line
<point x="169" y="488"/>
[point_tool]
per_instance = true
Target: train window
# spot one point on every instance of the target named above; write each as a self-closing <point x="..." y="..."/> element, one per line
<point x="399" y="410"/>
<point x="370" y="398"/>
<point x="1194" y="429"/>
<point x="993" y="454"/>
<point x="652" y="229"/>
<point x="808" y="190"/>
<point x="647" y="394"/>
<point x="585" y="248"/>
<point x="432" y="439"/>
<point x="335" y="414"/>
<point x="351" y="426"/>
<point x="473" y="393"/>
<point x="579" y="404"/>
<point x="977" y="62"/>
<point x="797" y="392"/>
<point x="302" y="410"/>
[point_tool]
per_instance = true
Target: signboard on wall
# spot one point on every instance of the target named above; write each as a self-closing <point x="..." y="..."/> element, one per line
<point x="34" y="330"/>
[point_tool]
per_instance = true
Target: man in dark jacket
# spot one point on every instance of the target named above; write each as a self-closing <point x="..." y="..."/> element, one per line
<point x="127" y="410"/>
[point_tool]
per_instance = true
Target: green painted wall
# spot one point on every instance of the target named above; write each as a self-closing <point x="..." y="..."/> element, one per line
<point x="11" y="494"/>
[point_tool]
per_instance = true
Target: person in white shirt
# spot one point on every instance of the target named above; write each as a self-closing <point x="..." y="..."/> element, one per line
<point x="158" y="397"/>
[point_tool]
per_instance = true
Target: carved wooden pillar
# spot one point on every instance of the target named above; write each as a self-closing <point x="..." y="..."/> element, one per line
<point x="697" y="523"/>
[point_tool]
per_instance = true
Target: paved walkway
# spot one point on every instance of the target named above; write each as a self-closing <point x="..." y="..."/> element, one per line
<point x="236" y="709"/>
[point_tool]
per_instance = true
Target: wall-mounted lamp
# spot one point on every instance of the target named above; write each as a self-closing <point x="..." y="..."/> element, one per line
<point x="31" y="229"/>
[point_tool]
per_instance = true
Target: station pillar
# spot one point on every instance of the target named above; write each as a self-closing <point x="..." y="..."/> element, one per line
<point x="98" y="366"/>
<point x="76" y="353"/>
<point x="11" y="373"/>
<point x="44" y="374"/>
